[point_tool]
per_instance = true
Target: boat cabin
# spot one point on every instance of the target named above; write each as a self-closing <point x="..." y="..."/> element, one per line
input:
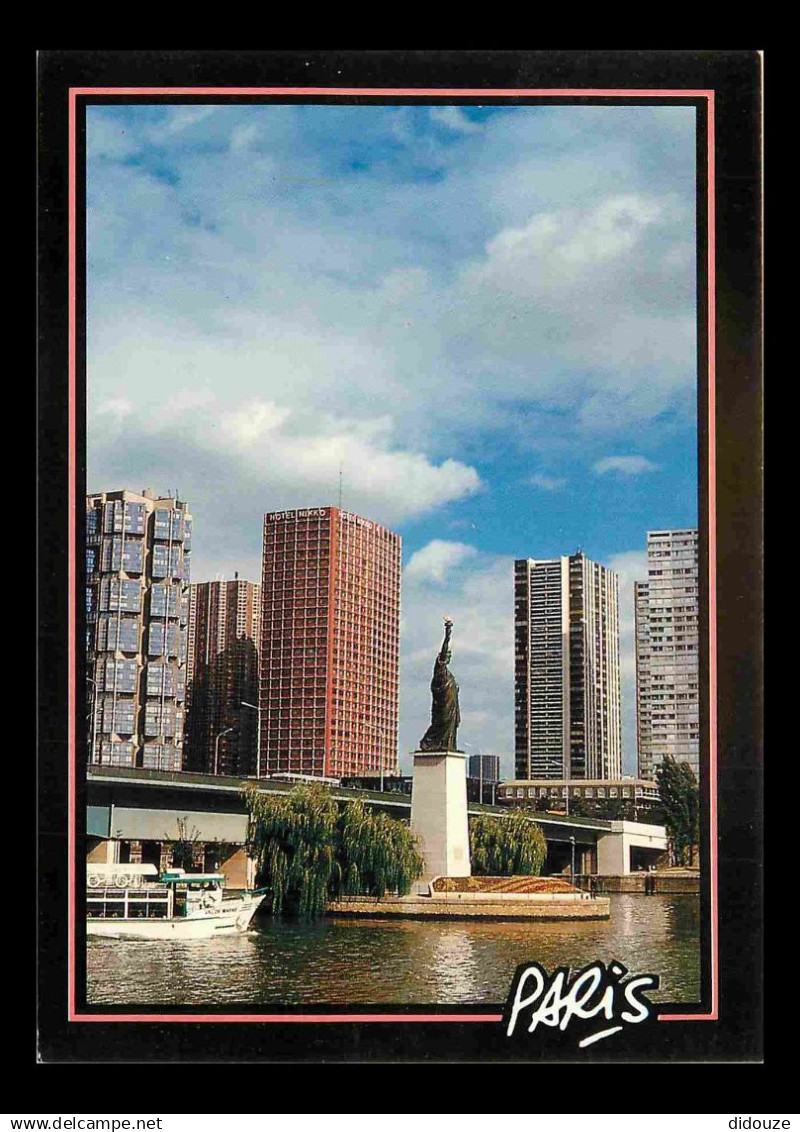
<point x="137" y="892"/>
<point x="193" y="893"/>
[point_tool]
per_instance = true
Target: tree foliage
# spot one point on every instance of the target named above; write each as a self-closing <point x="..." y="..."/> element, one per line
<point x="183" y="846"/>
<point x="680" y="804"/>
<point x="512" y="846"/>
<point x="578" y="808"/>
<point x="692" y="809"/>
<point x="308" y="849"/>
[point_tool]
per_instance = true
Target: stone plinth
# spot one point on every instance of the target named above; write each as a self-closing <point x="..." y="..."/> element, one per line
<point x="439" y="812"/>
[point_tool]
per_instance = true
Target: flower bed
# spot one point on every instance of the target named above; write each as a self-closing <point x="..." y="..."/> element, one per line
<point x="522" y="884"/>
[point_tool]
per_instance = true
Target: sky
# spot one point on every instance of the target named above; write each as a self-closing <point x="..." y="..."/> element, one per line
<point x="484" y="316"/>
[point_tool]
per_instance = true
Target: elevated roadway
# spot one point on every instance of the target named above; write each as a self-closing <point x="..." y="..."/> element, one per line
<point x="137" y="805"/>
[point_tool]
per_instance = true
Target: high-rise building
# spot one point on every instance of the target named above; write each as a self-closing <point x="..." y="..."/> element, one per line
<point x="222" y="677"/>
<point x="138" y="550"/>
<point x="485" y="768"/>
<point x="330" y="634"/>
<point x="566" y="678"/>
<point x="667" y="652"/>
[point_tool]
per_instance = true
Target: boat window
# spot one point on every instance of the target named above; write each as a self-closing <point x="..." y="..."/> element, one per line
<point x="112" y="904"/>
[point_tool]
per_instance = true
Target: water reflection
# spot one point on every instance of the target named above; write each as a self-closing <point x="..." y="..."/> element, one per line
<point x="395" y="961"/>
<point x="454" y="967"/>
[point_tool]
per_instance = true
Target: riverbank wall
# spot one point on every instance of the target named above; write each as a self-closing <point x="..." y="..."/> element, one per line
<point x="463" y="906"/>
<point x="656" y="884"/>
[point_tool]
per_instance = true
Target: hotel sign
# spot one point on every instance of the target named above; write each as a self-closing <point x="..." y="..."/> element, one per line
<point x="306" y="513"/>
<point x="357" y="520"/>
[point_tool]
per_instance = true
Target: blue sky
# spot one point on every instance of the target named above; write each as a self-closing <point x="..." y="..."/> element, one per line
<point x="485" y="315"/>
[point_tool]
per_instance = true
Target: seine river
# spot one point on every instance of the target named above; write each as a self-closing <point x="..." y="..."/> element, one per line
<point x="395" y="961"/>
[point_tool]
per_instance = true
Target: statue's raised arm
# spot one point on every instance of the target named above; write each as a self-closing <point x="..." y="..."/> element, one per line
<point x="444" y="652"/>
<point x="445" y="714"/>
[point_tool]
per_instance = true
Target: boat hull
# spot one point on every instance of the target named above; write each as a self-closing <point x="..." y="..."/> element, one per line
<point x="233" y="920"/>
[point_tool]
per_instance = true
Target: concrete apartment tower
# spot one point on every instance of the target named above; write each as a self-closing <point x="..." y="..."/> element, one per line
<point x="566" y="677"/>
<point x="138" y="549"/>
<point x="222" y="677"/>
<point x="667" y="652"/>
<point x="330" y="642"/>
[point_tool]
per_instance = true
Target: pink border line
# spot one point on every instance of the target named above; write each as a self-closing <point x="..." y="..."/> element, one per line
<point x="71" y="561"/>
<point x="433" y="92"/>
<point x="712" y="590"/>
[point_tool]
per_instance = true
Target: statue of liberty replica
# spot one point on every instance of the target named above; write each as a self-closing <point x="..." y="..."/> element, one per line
<point x="439" y="788"/>
<point x="445" y="716"/>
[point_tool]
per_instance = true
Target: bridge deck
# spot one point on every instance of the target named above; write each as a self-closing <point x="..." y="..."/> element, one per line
<point x="124" y="789"/>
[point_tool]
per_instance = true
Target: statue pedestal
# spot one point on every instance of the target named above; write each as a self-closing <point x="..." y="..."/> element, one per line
<point x="439" y="812"/>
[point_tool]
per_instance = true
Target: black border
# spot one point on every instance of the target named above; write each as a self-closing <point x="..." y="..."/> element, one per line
<point x="735" y="78"/>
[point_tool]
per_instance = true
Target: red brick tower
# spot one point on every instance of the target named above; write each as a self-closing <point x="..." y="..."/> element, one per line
<point x="330" y="637"/>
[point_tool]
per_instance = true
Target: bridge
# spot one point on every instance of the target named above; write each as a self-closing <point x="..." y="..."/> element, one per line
<point x="133" y="814"/>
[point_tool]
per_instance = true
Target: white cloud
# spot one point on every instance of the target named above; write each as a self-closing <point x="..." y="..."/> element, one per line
<point x="557" y="249"/>
<point x="364" y="294"/>
<point x="243" y="137"/>
<point x="236" y="461"/>
<point x="178" y="119"/>
<point x="546" y="483"/>
<point x="110" y="139"/>
<point x="454" y="118"/>
<point x="436" y="561"/>
<point x="276" y="293"/>
<point x="253" y="422"/>
<point x="117" y="407"/>
<point x="625" y="465"/>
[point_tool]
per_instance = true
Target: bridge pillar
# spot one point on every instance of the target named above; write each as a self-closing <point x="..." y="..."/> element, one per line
<point x="614" y="848"/>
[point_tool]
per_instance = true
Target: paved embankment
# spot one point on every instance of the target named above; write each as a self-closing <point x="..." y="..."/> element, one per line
<point x="657" y="884"/>
<point x="464" y="906"/>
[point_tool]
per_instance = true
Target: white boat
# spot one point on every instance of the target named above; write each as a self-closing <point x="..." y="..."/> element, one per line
<point x="133" y="902"/>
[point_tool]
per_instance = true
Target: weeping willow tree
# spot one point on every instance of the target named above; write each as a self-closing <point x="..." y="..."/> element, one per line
<point x="512" y="846"/>
<point x="307" y="849"/>
<point x="377" y="854"/>
<point x="293" y="841"/>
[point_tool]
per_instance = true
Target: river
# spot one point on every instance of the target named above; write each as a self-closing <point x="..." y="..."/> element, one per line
<point x="338" y="961"/>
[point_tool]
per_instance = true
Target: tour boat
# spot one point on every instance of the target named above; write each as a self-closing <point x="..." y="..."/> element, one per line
<point x="124" y="901"/>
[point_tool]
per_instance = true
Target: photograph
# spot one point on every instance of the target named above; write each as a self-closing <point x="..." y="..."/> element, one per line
<point x="397" y="536"/>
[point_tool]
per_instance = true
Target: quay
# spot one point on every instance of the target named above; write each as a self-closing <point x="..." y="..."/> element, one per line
<point x="663" y="882"/>
<point x="545" y="899"/>
<point x="417" y="908"/>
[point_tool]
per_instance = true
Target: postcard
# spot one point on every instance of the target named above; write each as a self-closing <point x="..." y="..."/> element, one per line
<point x="400" y="528"/>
